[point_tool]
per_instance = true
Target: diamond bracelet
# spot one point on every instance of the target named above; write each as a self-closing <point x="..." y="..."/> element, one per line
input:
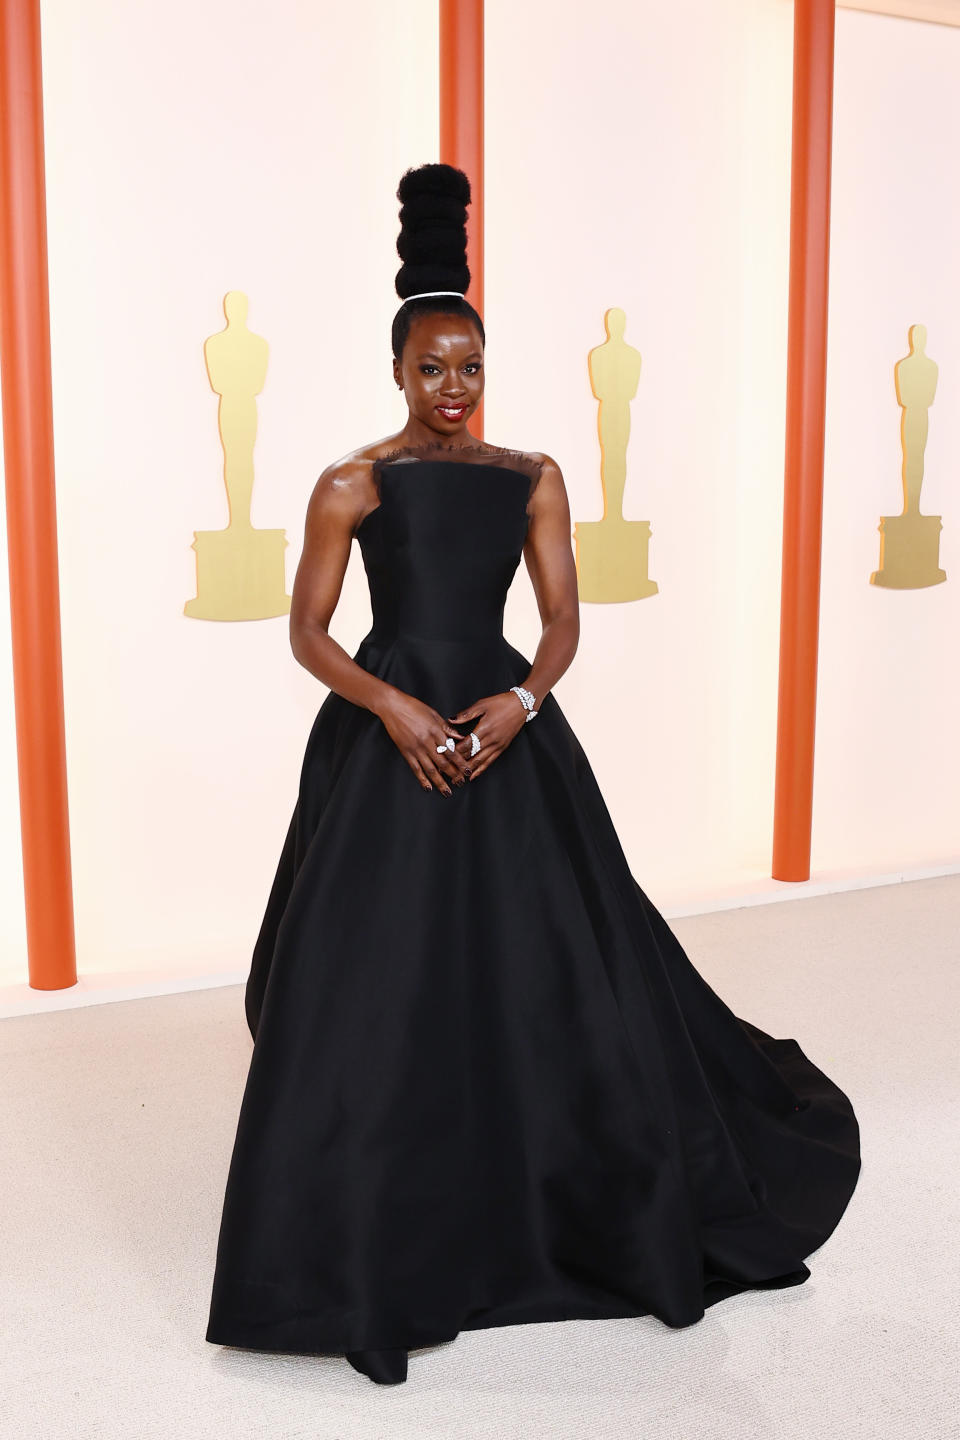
<point x="526" y="700"/>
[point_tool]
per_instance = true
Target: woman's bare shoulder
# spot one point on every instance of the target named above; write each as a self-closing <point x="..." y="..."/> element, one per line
<point x="545" y="461"/>
<point x="361" y="459"/>
<point x="349" y="476"/>
<point x="549" y="496"/>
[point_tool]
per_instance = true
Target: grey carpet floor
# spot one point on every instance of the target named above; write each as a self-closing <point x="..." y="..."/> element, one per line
<point x="116" y="1129"/>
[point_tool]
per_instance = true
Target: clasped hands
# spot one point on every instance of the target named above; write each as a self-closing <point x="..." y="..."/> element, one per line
<point x="417" y="729"/>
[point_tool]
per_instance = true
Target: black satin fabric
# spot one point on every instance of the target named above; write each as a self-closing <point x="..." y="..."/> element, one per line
<point x="488" y="1086"/>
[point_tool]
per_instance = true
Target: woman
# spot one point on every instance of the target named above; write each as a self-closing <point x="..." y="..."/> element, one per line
<point x="487" y="1087"/>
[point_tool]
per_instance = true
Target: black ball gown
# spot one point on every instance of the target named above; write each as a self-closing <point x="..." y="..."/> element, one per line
<point x="488" y="1086"/>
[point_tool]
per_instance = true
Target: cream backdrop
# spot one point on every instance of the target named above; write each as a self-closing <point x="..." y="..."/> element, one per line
<point x="887" y="788"/>
<point x="657" y="179"/>
<point x="637" y="155"/>
<point x="13" y="941"/>
<point x="643" y="161"/>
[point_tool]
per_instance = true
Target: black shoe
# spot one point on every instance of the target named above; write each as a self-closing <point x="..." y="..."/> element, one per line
<point x="385" y="1367"/>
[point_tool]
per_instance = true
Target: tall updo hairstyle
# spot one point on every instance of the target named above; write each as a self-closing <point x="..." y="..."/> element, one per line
<point x="433" y="247"/>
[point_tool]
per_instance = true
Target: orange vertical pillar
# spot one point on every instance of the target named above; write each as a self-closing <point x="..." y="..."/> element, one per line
<point x="461" y="128"/>
<point x="31" y="503"/>
<point x="813" y="39"/>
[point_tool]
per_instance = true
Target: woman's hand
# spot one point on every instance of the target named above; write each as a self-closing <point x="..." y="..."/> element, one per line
<point x="417" y="729"/>
<point x="503" y="715"/>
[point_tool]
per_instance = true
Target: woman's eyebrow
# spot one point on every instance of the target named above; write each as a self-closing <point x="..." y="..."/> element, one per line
<point x="431" y="355"/>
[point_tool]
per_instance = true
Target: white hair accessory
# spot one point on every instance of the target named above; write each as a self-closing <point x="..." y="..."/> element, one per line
<point x="431" y="292"/>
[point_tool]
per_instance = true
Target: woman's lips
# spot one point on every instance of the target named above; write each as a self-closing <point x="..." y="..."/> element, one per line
<point x="452" y="412"/>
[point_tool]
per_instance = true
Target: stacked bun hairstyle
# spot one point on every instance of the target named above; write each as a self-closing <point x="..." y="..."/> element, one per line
<point x="433" y="247"/>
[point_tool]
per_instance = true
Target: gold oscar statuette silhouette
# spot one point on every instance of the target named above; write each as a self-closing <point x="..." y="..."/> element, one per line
<point x="613" y="553"/>
<point x="910" y="542"/>
<point x="240" y="570"/>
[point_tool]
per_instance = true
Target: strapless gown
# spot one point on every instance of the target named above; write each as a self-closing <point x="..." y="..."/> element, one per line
<point x="487" y="1085"/>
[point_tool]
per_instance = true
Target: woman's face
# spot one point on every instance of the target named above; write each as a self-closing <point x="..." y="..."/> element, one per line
<point x="441" y="371"/>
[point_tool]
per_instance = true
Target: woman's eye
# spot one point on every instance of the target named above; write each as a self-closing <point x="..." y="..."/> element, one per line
<point x="472" y="367"/>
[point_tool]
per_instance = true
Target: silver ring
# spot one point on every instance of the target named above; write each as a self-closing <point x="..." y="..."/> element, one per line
<point x="474" y="743"/>
<point x="449" y="744"/>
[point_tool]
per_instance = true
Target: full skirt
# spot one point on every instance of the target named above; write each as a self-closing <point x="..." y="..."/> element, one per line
<point x="488" y="1086"/>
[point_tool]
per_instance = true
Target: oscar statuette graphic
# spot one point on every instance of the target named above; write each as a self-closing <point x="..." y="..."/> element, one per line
<point x="910" y="542"/>
<point x="240" y="570"/>
<point x="612" y="553"/>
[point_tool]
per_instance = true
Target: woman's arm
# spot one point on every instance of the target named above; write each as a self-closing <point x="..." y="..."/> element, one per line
<point x="553" y="573"/>
<point x="340" y="497"/>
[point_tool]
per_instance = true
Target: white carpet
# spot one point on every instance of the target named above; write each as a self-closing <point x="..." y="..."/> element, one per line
<point x="116" y="1130"/>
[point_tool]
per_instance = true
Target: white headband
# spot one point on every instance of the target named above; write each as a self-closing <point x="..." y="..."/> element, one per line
<point x="431" y="292"/>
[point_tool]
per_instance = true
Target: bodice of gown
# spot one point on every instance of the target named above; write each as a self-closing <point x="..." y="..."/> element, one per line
<point x="442" y="546"/>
